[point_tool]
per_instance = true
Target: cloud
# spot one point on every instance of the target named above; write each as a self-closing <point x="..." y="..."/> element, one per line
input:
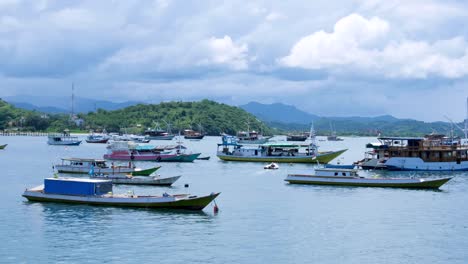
<point x="364" y="46"/>
<point x="224" y="51"/>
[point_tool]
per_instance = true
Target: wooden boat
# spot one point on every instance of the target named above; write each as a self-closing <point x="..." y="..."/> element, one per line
<point x="99" y="192"/>
<point x="203" y="158"/>
<point x="3" y="146"/>
<point x="159" y="134"/>
<point x="297" y="137"/>
<point x="131" y="180"/>
<point x="347" y="177"/>
<point x="191" y="134"/>
<point x="274" y="152"/>
<point x="84" y="166"/>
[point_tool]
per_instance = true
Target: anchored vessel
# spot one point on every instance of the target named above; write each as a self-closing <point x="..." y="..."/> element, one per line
<point x="84" y="166"/>
<point x="347" y="177"/>
<point x="274" y="152"/>
<point x="192" y="134"/>
<point x="64" y="139"/>
<point x="97" y="138"/>
<point x="99" y="192"/>
<point x="430" y="153"/>
<point x="251" y="137"/>
<point x="129" y="179"/>
<point x="129" y="151"/>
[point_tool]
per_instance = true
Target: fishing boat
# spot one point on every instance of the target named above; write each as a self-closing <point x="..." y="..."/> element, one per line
<point x="332" y="136"/>
<point x="350" y="177"/>
<point x="132" y="180"/>
<point x="135" y="152"/>
<point x="284" y="152"/>
<point x="64" y="139"/>
<point x="251" y="137"/>
<point x="3" y="146"/>
<point x="99" y="192"/>
<point x="84" y="166"/>
<point x="97" y="138"/>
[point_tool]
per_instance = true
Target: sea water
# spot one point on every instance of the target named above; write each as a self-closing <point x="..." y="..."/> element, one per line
<point x="262" y="219"/>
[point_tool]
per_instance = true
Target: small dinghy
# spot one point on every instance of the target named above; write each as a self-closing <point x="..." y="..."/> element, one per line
<point x="271" y="166"/>
<point x="347" y="177"/>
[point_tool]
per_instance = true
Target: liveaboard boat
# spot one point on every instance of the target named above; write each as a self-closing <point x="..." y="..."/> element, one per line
<point x="192" y="134"/>
<point x="84" y="166"/>
<point x="64" y="139"/>
<point x="99" y="192"/>
<point x="230" y="150"/>
<point x="158" y="134"/>
<point x="350" y="177"/>
<point x="433" y="152"/>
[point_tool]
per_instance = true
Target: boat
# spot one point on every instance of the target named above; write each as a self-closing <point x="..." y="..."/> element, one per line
<point x="158" y="134"/>
<point x="192" y="134"/>
<point x="139" y="139"/>
<point x="130" y="151"/>
<point x="271" y="166"/>
<point x="434" y="152"/>
<point x="3" y="146"/>
<point x="297" y="137"/>
<point x="64" y="139"/>
<point x="132" y="180"/>
<point x="97" y="138"/>
<point x="230" y="150"/>
<point x="350" y="177"/>
<point x="99" y="192"/>
<point x="251" y="137"/>
<point x="84" y="166"/>
<point x="332" y="136"/>
<point x="203" y="158"/>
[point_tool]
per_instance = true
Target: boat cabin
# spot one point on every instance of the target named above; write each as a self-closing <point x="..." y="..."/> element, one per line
<point x="77" y="186"/>
<point x="336" y="172"/>
<point x="86" y="163"/>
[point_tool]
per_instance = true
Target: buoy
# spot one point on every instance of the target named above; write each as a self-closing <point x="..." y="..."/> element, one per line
<point x="186" y="185"/>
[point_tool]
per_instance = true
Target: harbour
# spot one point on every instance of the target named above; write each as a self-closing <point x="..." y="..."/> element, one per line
<point x="259" y="213"/>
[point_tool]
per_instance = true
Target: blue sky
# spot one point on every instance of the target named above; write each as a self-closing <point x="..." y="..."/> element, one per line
<point x="334" y="58"/>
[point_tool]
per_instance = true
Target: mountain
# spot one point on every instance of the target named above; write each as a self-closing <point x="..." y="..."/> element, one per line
<point x="56" y="104"/>
<point x="279" y="112"/>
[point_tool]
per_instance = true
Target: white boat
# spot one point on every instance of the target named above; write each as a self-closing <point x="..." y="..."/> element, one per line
<point x="64" y="139"/>
<point x="84" y="166"/>
<point x="350" y="177"/>
<point x="129" y="179"/>
<point x="271" y="166"/>
<point x="99" y="192"/>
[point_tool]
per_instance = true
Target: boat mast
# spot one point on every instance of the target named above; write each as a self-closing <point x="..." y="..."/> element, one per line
<point x="72" y="102"/>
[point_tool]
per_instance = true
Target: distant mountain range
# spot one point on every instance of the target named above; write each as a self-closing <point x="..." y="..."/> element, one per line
<point x="289" y="118"/>
<point x="55" y="104"/>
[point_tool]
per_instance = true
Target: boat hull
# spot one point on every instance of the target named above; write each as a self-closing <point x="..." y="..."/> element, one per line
<point x="99" y="141"/>
<point x="71" y="143"/>
<point x="321" y="158"/>
<point x="194" y="137"/>
<point x="417" y="164"/>
<point x="366" y="182"/>
<point x="171" y="202"/>
<point x="146" y="172"/>
<point x="169" y="137"/>
<point x="3" y="146"/>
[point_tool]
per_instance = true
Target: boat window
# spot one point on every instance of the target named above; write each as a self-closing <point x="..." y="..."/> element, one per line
<point x="343" y="174"/>
<point x="336" y="173"/>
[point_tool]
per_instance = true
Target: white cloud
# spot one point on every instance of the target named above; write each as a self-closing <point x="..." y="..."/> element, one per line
<point x="361" y="45"/>
<point x="224" y="51"/>
<point x="272" y="16"/>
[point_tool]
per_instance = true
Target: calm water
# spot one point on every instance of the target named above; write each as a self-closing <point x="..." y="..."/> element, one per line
<point x="261" y="220"/>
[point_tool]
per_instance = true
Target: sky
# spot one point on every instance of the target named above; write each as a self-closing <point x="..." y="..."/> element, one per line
<point x="331" y="58"/>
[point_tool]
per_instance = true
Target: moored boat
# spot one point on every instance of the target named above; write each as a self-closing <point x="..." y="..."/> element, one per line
<point x="97" y="138"/>
<point x="297" y="137"/>
<point x="251" y="137"/>
<point x="274" y="152"/>
<point x="84" y="166"/>
<point x="192" y="134"/>
<point x="135" y="152"/>
<point x="64" y="139"/>
<point x="99" y="192"/>
<point x="350" y="177"/>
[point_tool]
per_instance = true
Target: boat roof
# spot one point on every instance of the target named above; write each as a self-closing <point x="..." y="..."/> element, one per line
<point x="284" y="145"/>
<point x="82" y="159"/>
<point x="336" y="170"/>
<point x="79" y="180"/>
<point x="400" y="138"/>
